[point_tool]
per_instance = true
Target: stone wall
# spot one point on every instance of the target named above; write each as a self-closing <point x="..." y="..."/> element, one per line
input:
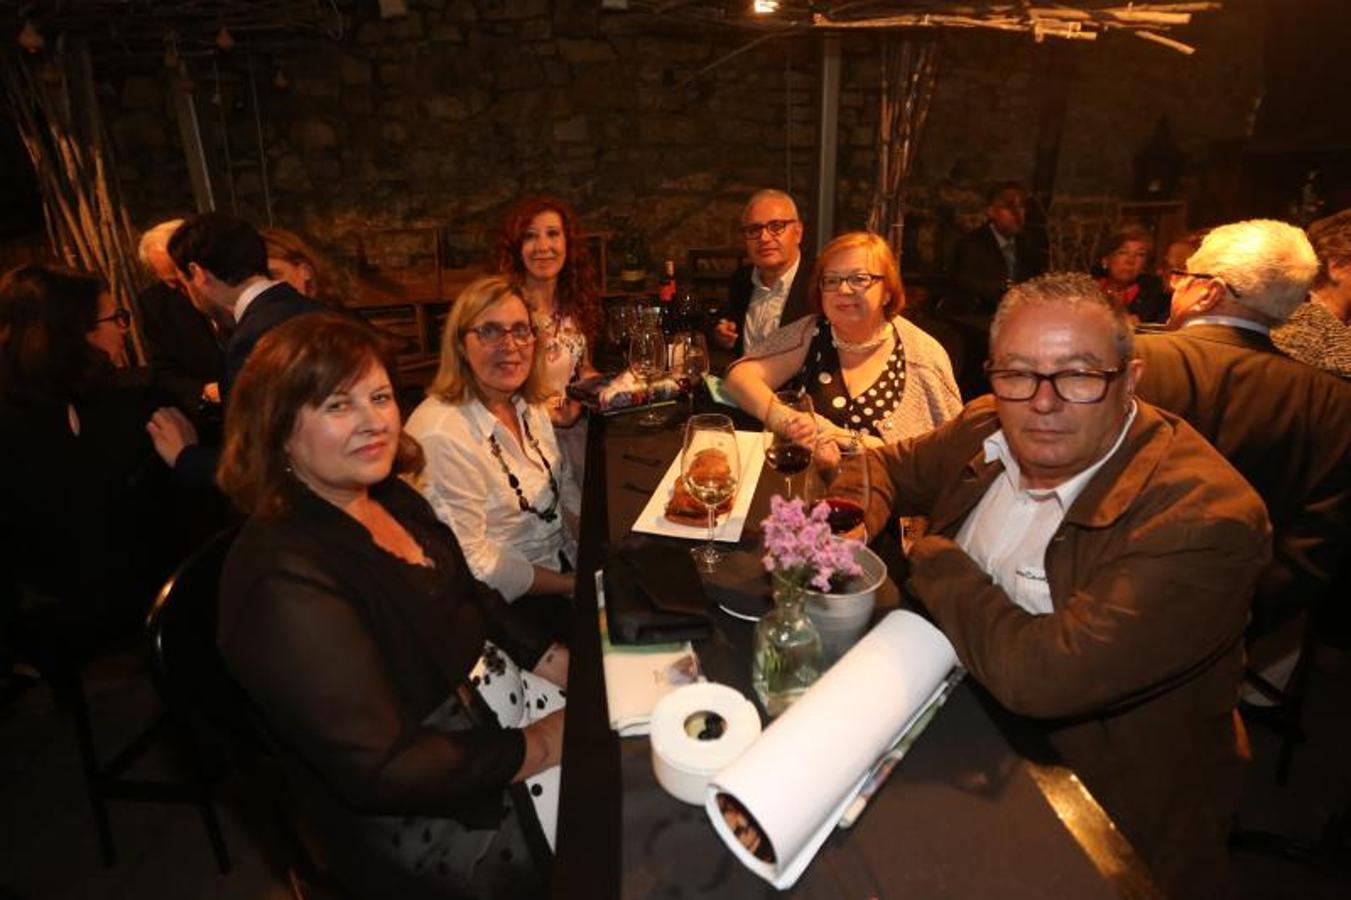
<point x="442" y="117"/>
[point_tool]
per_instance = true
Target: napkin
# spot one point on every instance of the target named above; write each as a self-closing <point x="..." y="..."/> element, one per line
<point x="639" y="675"/>
<point x="655" y="595"/>
<point x="609" y="393"/>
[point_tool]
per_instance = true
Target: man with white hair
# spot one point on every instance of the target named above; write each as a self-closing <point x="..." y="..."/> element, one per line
<point x="1285" y="425"/>
<point x="772" y="290"/>
<point x="185" y="343"/>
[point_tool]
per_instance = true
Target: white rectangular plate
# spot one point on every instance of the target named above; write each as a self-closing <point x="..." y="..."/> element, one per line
<point x="652" y="520"/>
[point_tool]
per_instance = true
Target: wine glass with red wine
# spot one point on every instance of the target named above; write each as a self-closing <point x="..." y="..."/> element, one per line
<point x="788" y="445"/>
<point x="839" y="476"/>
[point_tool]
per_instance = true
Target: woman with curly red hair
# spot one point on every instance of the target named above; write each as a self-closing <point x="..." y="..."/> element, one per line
<point x="540" y="247"/>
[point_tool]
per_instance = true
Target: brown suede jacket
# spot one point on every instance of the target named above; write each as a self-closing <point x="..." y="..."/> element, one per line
<point x="1134" y="674"/>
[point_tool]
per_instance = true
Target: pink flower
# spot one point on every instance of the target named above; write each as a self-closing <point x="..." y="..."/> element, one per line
<point x="800" y="548"/>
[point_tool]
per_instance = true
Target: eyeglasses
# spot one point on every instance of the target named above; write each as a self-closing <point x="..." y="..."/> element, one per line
<point x="775" y="227"/>
<point x="859" y="281"/>
<point x="122" y="317"/>
<point x="1177" y="274"/>
<point x="1070" y="385"/>
<point x="494" y="335"/>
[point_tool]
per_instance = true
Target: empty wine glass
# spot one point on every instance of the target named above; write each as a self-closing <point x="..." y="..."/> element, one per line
<point x="790" y="434"/>
<point x="647" y="359"/>
<point x="710" y="467"/>
<point x="689" y="362"/>
<point x="839" y="476"/>
<point x="619" y="321"/>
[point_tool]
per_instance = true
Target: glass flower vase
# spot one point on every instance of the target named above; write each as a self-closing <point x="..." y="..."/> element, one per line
<point x="786" y="648"/>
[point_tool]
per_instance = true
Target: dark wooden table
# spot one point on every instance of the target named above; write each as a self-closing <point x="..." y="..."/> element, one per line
<point x="979" y="807"/>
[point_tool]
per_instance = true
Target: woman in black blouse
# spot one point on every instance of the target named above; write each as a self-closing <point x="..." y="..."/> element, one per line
<point x="350" y="618"/>
<point x="85" y="530"/>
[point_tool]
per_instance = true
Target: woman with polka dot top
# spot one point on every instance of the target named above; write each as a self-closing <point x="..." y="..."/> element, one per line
<point x="866" y="369"/>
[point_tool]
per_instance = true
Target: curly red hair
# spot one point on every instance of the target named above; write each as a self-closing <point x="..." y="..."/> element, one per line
<point x="576" y="295"/>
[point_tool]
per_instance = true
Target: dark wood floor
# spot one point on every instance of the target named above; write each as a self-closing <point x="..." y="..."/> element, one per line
<point x="48" y="850"/>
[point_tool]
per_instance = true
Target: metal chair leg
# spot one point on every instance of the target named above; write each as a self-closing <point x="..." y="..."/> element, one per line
<point x="69" y="691"/>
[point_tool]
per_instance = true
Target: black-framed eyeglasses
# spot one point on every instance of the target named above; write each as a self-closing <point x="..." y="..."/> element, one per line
<point x="494" y="335"/>
<point x="122" y="317"/>
<point x="1183" y="273"/>
<point x="859" y="281"/>
<point x="775" y="227"/>
<point x="1070" y="385"/>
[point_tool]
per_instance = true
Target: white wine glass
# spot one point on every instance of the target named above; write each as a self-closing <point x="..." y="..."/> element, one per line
<point x="647" y="359"/>
<point x="790" y="435"/>
<point x="709" y="467"/>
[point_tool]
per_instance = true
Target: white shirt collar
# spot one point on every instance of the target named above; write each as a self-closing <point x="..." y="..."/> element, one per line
<point x="997" y="448"/>
<point x="1232" y="321"/>
<point x="483" y="420"/>
<point x="249" y="294"/>
<point x="1002" y="241"/>
<point x="786" y="279"/>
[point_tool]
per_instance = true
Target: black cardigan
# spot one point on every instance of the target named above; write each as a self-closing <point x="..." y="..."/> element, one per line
<point x="346" y="649"/>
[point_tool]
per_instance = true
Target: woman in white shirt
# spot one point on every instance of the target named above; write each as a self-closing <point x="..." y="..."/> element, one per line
<point x="494" y="472"/>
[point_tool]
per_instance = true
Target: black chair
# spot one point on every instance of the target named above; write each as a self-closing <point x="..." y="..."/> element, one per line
<point x="226" y="737"/>
<point x="60" y="640"/>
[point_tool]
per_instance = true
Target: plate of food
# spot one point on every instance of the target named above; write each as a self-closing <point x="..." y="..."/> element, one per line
<point x="672" y="512"/>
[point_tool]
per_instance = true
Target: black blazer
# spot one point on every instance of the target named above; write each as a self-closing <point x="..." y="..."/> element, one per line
<point x="197" y="463"/>
<point x="268" y="310"/>
<point x="978" y="275"/>
<point x="1285" y="426"/>
<point x="185" y="352"/>
<point x="739" y="290"/>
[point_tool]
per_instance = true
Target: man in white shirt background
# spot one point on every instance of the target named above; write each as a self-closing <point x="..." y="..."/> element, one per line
<point x="772" y="290"/>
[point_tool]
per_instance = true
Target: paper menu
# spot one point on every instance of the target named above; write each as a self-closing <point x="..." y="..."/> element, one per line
<point x="806" y="768"/>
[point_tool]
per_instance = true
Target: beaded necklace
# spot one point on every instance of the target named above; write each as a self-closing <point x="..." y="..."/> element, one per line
<point x="879" y="336"/>
<point x="549" y="514"/>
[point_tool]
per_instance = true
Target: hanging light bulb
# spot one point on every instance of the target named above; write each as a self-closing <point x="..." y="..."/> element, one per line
<point x="30" y="39"/>
<point x="765" y="7"/>
<point x="225" y="40"/>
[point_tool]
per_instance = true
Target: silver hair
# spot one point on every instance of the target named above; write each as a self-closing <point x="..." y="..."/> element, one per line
<point x="1070" y="289"/>
<point x="156" y="236"/>
<point x="769" y="194"/>
<point x="1267" y="265"/>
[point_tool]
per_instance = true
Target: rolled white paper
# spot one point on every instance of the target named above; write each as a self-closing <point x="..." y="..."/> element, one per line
<point x="682" y="762"/>
<point x="800" y="775"/>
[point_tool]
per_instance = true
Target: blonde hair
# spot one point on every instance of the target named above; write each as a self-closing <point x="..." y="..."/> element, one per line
<point x="455" y="381"/>
<point x="881" y="258"/>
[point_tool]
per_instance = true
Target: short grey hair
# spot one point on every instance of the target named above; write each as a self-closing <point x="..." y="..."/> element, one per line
<point x="156" y="236"/>
<point x="1072" y="289"/>
<point x="770" y="194"/>
<point x="1267" y="265"/>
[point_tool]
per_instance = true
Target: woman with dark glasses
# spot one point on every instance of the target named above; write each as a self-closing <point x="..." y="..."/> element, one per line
<point x="87" y="503"/>
<point x="494" y="471"/>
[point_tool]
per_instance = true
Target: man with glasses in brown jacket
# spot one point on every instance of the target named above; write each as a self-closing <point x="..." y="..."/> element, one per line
<point x="1092" y="560"/>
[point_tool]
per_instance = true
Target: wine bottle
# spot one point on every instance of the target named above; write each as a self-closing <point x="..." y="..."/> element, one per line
<point x="667" y="290"/>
